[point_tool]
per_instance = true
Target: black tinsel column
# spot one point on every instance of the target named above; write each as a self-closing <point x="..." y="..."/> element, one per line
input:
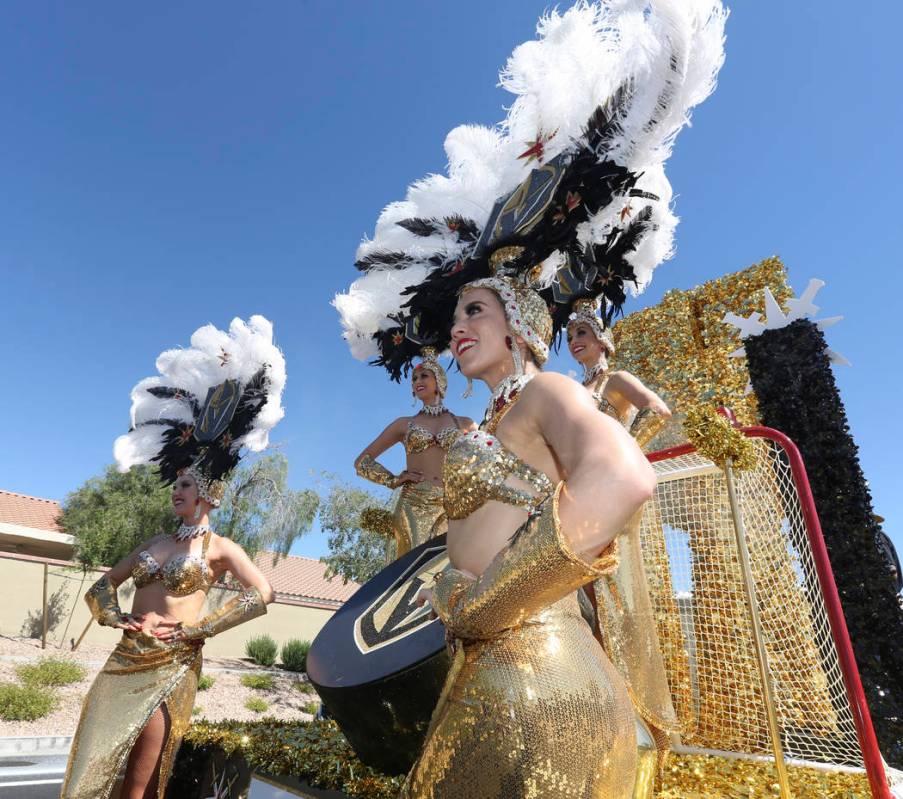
<point x="791" y="375"/>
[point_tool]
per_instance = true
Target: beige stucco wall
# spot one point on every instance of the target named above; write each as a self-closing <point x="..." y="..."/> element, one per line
<point x="21" y="586"/>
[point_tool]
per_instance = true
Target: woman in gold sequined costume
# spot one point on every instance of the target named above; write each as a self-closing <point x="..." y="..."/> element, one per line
<point x="140" y="703"/>
<point x="536" y="497"/>
<point x="625" y="622"/>
<point x="532" y="706"/>
<point x="418" y="514"/>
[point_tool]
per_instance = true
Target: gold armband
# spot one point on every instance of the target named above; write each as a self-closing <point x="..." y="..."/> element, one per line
<point x="248" y="605"/>
<point x="103" y="602"/>
<point x="646" y="426"/>
<point x="369" y="469"/>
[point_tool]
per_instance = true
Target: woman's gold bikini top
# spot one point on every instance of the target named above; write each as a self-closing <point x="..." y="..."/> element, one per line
<point x="181" y="575"/>
<point x="475" y="471"/>
<point x="419" y="439"/>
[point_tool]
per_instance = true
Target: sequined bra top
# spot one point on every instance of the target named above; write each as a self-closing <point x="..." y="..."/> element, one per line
<point x="419" y="439"/>
<point x="475" y="472"/>
<point x="181" y="575"/>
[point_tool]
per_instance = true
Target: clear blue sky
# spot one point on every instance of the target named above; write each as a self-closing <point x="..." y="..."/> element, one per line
<point x="167" y="165"/>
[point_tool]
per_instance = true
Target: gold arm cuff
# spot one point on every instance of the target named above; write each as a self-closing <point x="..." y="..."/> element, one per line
<point x="538" y="568"/>
<point x="368" y="468"/>
<point x="103" y="601"/>
<point x="248" y="605"/>
<point x="646" y="426"/>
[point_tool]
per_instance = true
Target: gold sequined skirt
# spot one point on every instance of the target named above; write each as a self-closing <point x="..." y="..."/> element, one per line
<point x="539" y="711"/>
<point x="418" y="516"/>
<point x="140" y="675"/>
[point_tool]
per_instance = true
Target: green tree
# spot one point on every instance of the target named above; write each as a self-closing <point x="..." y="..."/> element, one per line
<point x="112" y="514"/>
<point x="260" y="512"/>
<point x="354" y="553"/>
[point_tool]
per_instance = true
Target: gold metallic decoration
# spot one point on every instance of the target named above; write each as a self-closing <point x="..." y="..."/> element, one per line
<point x="476" y="470"/>
<point x="377" y="520"/>
<point x="246" y="606"/>
<point x="532" y="706"/>
<point x="711" y="777"/>
<point x="680" y="348"/>
<point x="502" y="255"/>
<point x="418" y="515"/>
<point x="181" y="575"/>
<point x="717" y="439"/>
<point x="419" y="439"/>
<point x="646" y="425"/>
<point x="315" y="752"/>
<point x="140" y="675"/>
<point x="370" y="469"/>
<point x="103" y="602"/>
<point x="765" y="676"/>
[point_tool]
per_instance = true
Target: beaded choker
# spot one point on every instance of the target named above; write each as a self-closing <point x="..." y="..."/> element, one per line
<point x="188" y="531"/>
<point x="594" y="371"/>
<point x="434" y="410"/>
<point x="502" y="399"/>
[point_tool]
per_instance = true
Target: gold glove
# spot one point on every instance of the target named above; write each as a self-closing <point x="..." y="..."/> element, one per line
<point x="375" y="472"/>
<point x="248" y="605"/>
<point x="536" y="569"/>
<point x="103" y="602"/>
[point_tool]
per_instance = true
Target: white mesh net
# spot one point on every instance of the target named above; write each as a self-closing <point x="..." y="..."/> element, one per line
<point x="700" y="603"/>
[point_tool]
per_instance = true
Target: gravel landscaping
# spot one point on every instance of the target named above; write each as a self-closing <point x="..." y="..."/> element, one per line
<point x="226" y="699"/>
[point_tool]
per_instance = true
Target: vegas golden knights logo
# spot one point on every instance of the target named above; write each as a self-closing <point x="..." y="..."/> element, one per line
<point x="394" y="614"/>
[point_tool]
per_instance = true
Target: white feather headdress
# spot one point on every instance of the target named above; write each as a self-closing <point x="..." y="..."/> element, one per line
<point x="619" y="77"/>
<point x="210" y="400"/>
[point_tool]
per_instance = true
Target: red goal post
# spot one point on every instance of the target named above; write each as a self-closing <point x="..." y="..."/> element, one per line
<point x="697" y="586"/>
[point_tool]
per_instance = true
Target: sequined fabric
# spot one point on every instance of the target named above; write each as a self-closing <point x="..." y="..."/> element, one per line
<point x="140" y="675"/>
<point x="419" y="439"/>
<point x="181" y="575"/>
<point x="103" y="602"/>
<point x="371" y="469"/>
<point x="418" y="515"/>
<point x="628" y="627"/>
<point x="476" y="470"/>
<point x="532" y="706"/>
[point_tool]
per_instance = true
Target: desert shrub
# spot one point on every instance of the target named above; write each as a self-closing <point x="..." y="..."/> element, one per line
<point x="24" y="702"/>
<point x="206" y="682"/>
<point x="256" y="704"/>
<point x="196" y="710"/>
<point x="311" y="707"/>
<point x="261" y="649"/>
<point x="294" y="654"/>
<point x="50" y="671"/>
<point x="259" y="682"/>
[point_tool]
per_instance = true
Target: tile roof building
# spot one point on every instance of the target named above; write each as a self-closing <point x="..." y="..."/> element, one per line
<point x="303" y="580"/>
<point x="28" y="525"/>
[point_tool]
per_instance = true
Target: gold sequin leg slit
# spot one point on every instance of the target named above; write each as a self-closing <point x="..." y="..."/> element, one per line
<point x="141" y="675"/>
<point x="532" y="706"/>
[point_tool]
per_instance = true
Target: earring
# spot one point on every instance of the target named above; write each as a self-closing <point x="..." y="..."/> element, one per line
<point x="518" y="361"/>
<point x="469" y="390"/>
<point x="197" y="512"/>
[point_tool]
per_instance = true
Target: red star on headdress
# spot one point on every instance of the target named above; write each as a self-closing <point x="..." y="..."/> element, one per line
<point x="397" y="338"/>
<point x="536" y="149"/>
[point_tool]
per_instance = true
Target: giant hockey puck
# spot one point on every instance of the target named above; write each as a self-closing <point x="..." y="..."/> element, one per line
<point x="380" y="662"/>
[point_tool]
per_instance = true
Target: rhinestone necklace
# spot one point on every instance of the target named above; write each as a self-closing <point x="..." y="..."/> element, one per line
<point x="593" y="372"/>
<point x="503" y="398"/>
<point x="188" y="531"/>
<point x="434" y="410"/>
